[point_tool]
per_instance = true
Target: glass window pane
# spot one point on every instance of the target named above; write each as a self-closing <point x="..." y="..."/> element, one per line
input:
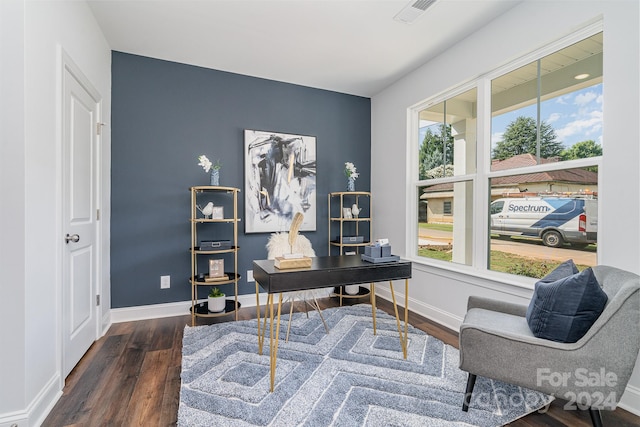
<point x="447" y="135"/>
<point x="540" y="220"/>
<point x="549" y="108"/>
<point x="445" y="213"/>
<point x="571" y="97"/>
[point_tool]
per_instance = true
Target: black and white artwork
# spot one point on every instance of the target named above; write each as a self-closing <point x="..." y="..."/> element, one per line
<point x="280" y="180"/>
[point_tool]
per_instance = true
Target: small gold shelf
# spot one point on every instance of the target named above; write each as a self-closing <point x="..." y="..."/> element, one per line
<point x="340" y="201"/>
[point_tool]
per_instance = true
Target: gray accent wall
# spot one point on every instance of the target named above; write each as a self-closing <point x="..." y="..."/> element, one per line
<point x="164" y="115"/>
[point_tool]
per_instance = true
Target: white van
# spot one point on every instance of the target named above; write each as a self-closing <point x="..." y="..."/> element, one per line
<point x="555" y="220"/>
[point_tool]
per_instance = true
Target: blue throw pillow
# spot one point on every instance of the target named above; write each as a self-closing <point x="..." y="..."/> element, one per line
<point x="566" y="269"/>
<point x="564" y="307"/>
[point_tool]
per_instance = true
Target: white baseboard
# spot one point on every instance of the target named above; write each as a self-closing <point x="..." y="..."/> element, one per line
<point x="631" y="400"/>
<point x="11" y="419"/>
<point x="46" y="400"/>
<point x="430" y="312"/>
<point x="38" y="409"/>
<point x="181" y="308"/>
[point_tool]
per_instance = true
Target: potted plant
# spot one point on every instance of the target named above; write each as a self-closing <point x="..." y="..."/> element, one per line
<point x="216" y="301"/>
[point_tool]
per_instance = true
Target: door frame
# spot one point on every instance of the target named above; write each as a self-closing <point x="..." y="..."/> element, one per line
<point x="66" y="64"/>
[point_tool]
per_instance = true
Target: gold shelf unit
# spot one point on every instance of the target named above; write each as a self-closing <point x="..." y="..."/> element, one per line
<point x="337" y="222"/>
<point x="228" y="198"/>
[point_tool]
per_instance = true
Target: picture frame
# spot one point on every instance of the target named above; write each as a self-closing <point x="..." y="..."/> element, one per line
<point x="346" y="213"/>
<point x="216" y="267"/>
<point x="218" y="212"/>
<point x="280" y="181"/>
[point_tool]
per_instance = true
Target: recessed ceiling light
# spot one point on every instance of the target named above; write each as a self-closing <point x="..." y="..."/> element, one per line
<point x="581" y="76"/>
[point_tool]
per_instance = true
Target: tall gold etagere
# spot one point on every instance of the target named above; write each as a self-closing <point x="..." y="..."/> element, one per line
<point x="227" y="199"/>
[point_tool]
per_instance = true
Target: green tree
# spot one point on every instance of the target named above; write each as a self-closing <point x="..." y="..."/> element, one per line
<point x="436" y="149"/>
<point x="582" y="150"/>
<point x="520" y="137"/>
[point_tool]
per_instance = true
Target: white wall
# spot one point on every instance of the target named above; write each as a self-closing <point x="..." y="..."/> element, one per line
<point x="441" y="293"/>
<point x="12" y="295"/>
<point x="33" y="221"/>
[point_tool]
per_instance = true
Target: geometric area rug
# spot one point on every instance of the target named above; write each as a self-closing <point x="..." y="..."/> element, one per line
<point x="348" y="377"/>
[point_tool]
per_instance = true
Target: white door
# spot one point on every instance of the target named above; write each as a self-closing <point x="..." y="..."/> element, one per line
<point x="80" y="118"/>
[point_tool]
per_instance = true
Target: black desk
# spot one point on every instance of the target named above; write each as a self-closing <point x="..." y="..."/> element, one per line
<point x="325" y="272"/>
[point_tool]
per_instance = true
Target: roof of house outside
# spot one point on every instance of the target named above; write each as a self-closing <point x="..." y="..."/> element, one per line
<point x="573" y="176"/>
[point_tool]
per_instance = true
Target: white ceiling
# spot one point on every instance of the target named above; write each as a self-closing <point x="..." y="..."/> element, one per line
<point x="349" y="46"/>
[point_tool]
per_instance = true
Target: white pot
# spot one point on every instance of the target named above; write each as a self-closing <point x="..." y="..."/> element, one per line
<point x="352" y="289"/>
<point x="216" y="304"/>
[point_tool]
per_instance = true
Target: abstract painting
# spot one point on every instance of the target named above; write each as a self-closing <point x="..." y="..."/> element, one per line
<point x="280" y="180"/>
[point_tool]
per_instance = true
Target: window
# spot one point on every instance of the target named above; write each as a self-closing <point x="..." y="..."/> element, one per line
<point x="540" y="179"/>
<point x="446" y="160"/>
<point x="447" y="207"/>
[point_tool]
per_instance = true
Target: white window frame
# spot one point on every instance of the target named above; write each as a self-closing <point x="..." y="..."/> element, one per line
<point x="481" y="178"/>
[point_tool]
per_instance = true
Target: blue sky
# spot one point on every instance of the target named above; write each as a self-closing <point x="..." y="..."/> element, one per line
<point x="576" y="117"/>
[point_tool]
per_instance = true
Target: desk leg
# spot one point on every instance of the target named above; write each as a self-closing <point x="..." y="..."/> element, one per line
<point x="258" y="316"/>
<point x="406" y="316"/>
<point x="273" y="347"/>
<point x="262" y="331"/>
<point x="372" y="293"/>
<point x="403" y="338"/>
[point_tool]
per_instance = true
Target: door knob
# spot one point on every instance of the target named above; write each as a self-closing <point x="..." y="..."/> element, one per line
<point x="71" y="238"/>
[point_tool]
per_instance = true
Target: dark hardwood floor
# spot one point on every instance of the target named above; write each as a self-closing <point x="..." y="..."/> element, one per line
<point x="131" y="376"/>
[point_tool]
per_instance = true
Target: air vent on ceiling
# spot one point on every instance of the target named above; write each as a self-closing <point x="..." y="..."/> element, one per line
<point x="413" y="11"/>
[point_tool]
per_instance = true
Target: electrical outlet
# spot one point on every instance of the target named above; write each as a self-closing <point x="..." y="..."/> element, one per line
<point x="249" y="276"/>
<point x="165" y="282"/>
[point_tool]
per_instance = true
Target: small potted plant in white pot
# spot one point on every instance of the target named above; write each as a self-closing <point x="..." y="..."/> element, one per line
<point x="216" y="301"/>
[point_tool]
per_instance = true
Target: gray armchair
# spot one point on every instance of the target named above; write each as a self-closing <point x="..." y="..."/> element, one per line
<point x="496" y="342"/>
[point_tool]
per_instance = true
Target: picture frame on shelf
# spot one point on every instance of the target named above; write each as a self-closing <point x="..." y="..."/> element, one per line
<point x="216" y="267"/>
<point x="217" y="212"/>
<point x="346" y="213"/>
<point x="280" y="180"/>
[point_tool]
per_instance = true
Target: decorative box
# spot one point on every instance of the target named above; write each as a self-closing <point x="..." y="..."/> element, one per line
<point x="283" y="263"/>
<point x="385" y="251"/>
<point x="372" y="251"/>
<point x="377" y="251"/>
<point x="213" y="245"/>
<point x="350" y="239"/>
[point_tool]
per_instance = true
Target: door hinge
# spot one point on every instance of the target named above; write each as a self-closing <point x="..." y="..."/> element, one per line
<point x="99" y="128"/>
<point x="97" y="214"/>
<point x="97" y="299"/>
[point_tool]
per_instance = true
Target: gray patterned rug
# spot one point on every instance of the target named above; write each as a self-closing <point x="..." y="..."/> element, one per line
<point x="348" y="377"/>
